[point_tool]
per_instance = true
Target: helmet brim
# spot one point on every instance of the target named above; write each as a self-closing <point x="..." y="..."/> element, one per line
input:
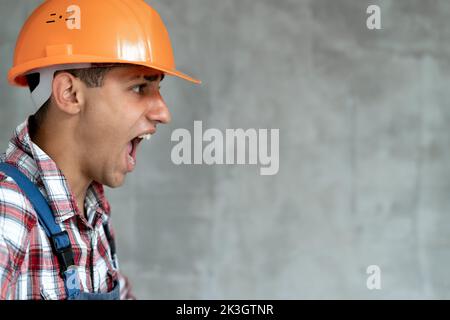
<point x="16" y="75"/>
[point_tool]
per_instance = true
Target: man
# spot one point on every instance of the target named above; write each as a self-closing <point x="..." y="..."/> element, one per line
<point x="94" y="68"/>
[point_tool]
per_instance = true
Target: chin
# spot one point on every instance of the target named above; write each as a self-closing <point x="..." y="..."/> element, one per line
<point x="115" y="181"/>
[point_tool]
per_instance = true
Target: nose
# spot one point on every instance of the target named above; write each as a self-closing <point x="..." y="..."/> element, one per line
<point x="158" y="111"/>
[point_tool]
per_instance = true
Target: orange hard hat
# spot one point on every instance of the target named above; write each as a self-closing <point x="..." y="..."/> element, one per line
<point x="65" y="32"/>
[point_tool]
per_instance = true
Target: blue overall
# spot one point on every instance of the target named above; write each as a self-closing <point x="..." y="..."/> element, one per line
<point x="59" y="239"/>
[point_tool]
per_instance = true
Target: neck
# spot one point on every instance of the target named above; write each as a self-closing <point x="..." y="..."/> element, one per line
<point x="54" y="138"/>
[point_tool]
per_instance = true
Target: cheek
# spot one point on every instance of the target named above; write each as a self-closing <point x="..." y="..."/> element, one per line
<point x="103" y="118"/>
<point x="111" y="117"/>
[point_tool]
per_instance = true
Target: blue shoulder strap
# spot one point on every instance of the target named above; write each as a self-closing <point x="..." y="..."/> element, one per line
<point x="59" y="239"/>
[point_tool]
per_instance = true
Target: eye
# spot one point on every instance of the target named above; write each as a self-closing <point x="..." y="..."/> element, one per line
<point x="139" y="89"/>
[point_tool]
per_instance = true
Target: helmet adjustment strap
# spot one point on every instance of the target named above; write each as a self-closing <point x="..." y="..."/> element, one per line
<point x="43" y="91"/>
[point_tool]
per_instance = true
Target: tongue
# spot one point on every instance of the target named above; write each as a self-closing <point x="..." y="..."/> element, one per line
<point x="130" y="147"/>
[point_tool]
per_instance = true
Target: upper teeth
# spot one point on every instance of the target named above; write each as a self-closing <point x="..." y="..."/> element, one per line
<point x="146" y="136"/>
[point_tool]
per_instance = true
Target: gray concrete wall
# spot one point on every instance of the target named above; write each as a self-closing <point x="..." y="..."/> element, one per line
<point x="364" y="152"/>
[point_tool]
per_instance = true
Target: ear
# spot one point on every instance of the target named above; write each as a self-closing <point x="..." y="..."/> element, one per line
<point x="68" y="93"/>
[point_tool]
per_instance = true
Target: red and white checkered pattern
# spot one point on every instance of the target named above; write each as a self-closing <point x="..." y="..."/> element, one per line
<point x="28" y="267"/>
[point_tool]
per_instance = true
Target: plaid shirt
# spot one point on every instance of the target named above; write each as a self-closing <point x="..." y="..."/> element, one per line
<point x="28" y="267"/>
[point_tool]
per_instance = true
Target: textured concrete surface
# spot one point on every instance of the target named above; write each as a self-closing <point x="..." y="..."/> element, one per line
<point x="364" y="152"/>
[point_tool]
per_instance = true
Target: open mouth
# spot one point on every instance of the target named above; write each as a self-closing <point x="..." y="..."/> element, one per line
<point x="132" y="150"/>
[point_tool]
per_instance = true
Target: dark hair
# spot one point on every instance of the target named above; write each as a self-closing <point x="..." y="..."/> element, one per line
<point x="92" y="77"/>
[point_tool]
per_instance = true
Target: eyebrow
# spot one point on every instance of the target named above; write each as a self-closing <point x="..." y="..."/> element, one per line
<point x="151" y="78"/>
<point x="155" y="77"/>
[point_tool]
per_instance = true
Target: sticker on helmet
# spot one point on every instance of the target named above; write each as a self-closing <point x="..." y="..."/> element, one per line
<point x="74" y="21"/>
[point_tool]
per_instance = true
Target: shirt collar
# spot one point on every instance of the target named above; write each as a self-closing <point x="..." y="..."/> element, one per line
<point x="45" y="172"/>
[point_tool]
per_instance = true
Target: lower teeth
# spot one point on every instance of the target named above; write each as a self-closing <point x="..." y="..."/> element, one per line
<point x="130" y="159"/>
